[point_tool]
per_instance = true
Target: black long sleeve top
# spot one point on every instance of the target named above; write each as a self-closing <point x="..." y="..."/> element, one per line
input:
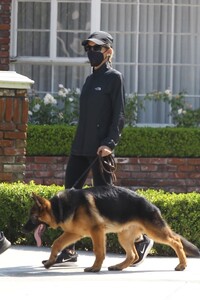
<point x="101" y="115"/>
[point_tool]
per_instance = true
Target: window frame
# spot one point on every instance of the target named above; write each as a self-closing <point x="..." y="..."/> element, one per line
<point x="95" y="16"/>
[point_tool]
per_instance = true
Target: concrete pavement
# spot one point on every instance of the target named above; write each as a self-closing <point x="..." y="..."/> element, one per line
<point x="22" y="276"/>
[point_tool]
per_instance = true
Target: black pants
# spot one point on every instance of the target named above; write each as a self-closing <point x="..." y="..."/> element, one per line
<point x="77" y="170"/>
<point x="78" y="165"/>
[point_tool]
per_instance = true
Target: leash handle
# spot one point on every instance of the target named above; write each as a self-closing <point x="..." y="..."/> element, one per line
<point x="109" y="166"/>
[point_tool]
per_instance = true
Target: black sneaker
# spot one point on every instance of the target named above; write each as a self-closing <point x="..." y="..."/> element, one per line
<point x="4" y="243"/>
<point x="65" y="256"/>
<point x="143" y="248"/>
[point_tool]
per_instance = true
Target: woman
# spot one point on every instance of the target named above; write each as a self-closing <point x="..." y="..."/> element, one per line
<point x="101" y="120"/>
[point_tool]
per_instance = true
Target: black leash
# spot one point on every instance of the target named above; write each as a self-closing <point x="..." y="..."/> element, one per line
<point x="107" y="164"/>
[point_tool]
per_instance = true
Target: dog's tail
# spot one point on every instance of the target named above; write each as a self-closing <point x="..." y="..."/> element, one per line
<point x="189" y="248"/>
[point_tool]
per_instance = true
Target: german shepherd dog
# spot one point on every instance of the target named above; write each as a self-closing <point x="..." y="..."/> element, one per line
<point x="96" y="211"/>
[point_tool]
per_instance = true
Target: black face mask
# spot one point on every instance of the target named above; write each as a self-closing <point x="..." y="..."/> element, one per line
<point x="95" y="58"/>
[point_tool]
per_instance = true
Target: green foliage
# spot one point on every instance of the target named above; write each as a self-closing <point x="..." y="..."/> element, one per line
<point x="133" y="105"/>
<point x="181" y="110"/>
<point x="143" y="142"/>
<point x="49" y="139"/>
<point x="159" y="142"/>
<point x="62" y="108"/>
<point x="181" y="211"/>
<point x="15" y="202"/>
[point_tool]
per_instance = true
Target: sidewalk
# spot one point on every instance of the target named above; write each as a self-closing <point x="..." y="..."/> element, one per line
<point x="22" y="276"/>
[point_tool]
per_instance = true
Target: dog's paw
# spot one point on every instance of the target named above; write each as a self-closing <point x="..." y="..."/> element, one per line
<point x="48" y="264"/>
<point x="180" y="267"/>
<point x="92" y="269"/>
<point x="114" y="268"/>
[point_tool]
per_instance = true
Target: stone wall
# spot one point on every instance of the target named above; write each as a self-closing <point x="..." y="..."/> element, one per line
<point x="169" y="174"/>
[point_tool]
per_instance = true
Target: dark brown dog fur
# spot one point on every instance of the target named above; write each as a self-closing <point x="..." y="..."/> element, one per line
<point x="96" y="211"/>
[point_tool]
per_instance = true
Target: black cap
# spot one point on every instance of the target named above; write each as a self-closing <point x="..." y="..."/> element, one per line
<point x="99" y="38"/>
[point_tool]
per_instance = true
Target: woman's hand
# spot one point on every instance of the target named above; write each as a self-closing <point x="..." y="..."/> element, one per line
<point x="104" y="151"/>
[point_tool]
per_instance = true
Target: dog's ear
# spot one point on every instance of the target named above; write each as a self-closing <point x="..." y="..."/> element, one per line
<point x="40" y="201"/>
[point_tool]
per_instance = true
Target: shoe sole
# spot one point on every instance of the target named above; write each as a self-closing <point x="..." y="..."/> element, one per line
<point x="145" y="255"/>
<point x="3" y="249"/>
<point x="64" y="264"/>
<point x="68" y="262"/>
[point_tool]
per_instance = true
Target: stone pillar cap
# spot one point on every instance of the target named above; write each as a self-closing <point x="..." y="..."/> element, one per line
<point x="13" y="80"/>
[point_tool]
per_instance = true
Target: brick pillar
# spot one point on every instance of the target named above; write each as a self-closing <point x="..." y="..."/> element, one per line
<point x="5" y="12"/>
<point x="13" y="125"/>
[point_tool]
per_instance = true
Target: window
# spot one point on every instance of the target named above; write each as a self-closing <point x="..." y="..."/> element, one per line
<point x="33" y="32"/>
<point x="156" y="44"/>
<point x="46" y="42"/>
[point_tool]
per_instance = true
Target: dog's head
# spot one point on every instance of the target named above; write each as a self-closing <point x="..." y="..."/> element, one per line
<point x="40" y="213"/>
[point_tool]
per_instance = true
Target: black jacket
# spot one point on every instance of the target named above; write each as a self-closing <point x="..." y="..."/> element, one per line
<point x="101" y="117"/>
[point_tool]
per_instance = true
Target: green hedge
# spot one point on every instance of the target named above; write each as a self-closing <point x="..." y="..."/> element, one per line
<point x="159" y="142"/>
<point x="181" y="211"/>
<point x="49" y="139"/>
<point x="15" y="202"/>
<point x="135" y="141"/>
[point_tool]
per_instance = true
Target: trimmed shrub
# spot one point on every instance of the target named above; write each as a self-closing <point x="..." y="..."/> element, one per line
<point x="15" y="202"/>
<point x="49" y="139"/>
<point x="143" y="142"/>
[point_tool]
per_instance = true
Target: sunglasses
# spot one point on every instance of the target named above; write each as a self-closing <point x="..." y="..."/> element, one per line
<point x="96" y="48"/>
